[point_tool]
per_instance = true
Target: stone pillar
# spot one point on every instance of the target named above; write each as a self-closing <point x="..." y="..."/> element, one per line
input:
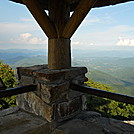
<point x="53" y="100"/>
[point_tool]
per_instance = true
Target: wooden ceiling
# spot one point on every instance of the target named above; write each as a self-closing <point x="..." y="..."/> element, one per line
<point x="74" y="3"/>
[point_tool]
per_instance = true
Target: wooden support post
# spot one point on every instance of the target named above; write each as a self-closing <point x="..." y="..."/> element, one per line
<point x="77" y="17"/>
<point x="59" y="27"/>
<point x="59" y="13"/>
<point x="59" y="55"/>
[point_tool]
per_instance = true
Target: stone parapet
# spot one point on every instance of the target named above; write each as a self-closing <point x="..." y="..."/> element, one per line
<point x="53" y="100"/>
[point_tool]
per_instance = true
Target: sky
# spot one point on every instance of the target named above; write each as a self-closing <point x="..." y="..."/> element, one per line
<point x="108" y="28"/>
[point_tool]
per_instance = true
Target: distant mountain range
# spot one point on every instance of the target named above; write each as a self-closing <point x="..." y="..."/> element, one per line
<point x="113" y="68"/>
<point x="116" y="72"/>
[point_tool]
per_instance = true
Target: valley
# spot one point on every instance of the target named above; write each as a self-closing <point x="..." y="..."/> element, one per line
<point x="111" y="68"/>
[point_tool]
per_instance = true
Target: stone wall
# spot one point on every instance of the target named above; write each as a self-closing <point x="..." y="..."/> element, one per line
<point x="53" y="100"/>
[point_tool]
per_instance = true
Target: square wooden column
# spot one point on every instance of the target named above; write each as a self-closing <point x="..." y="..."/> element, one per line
<point x="59" y="55"/>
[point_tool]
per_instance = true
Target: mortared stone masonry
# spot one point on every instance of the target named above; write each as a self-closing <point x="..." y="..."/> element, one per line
<point x="53" y="100"/>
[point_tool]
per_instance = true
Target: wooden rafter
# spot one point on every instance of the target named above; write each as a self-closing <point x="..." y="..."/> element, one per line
<point x="77" y="17"/>
<point x="41" y="17"/>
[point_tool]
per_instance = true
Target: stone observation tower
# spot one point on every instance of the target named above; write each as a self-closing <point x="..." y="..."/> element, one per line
<point x="54" y="100"/>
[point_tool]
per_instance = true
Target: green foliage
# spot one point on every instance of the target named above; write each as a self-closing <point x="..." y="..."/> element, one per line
<point x="7" y="102"/>
<point x="7" y="75"/>
<point x="107" y="107"/>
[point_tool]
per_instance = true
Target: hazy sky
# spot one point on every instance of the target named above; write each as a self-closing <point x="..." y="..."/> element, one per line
<point x="104" y="28"/>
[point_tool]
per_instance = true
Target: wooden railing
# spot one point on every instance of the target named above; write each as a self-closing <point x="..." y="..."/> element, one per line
<point x="103" y="93"/>
<point x="17" y="90"/>
<point x="76" y="87"/>
<point x="14" y="91"/>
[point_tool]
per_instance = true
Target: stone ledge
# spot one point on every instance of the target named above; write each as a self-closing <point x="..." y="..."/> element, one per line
<point x="16" y="121"/>
<point x="29" y="70"/>
<point x="9" y="111"/>
<point x="92" y="123"/>
<point x="41" y="72"/>
<point x="50" y="75"/>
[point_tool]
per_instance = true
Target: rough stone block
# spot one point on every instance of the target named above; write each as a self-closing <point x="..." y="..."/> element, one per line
<point x="74" y="72"/>
<point x="49" y="75"/>
<point x="84" y="102"/>
<point x="80" y="79"/>
<point x="29" y="70"/>
<point x="54" y="92"/>
<point x="69" y="109"/>
<point x="32" y="103"/>
<point x="75" y="105"/>
<point x="26" y="80"/>
<point x="74" y="94"/>
<point x="63" y="109"/>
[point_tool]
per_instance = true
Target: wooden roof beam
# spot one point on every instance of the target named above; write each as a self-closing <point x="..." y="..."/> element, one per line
<point x="99" y="3"/>
<point x="72" y="1"/>
<point x="102" y="3"/>
<point x="77" y="17"/>
<point x="41" y="17"/>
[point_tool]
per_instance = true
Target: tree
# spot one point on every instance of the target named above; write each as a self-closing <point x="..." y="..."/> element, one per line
<point x="108" y="107"/>
<point x="7" y="76"/>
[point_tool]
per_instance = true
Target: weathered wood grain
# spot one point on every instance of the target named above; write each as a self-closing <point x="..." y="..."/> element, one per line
<point x="77" y="17"/>
<point x="59" y="12"/>
<point x="59" y="55"/>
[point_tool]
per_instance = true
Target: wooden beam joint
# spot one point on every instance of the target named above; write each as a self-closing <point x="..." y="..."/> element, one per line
<point x="77" y="17"/>
<point x="59" y="13"/>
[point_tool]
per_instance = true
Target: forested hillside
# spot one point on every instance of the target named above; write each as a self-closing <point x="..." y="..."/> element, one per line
<point x="116" y="72"/>
<point x="121" y="85"/>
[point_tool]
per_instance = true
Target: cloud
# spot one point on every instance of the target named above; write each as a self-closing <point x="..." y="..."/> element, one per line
<point x="107" y="19"/>
<point x="106" y="37"/>
<point x="75" y="43"/>
<point x="27" y="38"/>
<point x="10" y="28"/>
<point x="90" y="21"/>
<point x="93" y="20"/>
<point x="26" y="20"/>
<point x="25" y="35"/>
<point x="125" y="42"/>
<point x="122" y="28"/>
